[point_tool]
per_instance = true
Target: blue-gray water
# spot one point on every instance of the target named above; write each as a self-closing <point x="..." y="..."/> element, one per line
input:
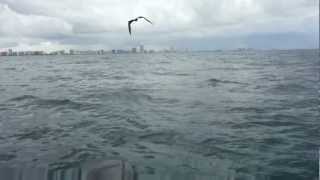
<point x="209" y="115"/>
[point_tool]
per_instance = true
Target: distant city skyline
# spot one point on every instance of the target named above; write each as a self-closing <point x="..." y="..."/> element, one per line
<point x="200" y="25"/>
<point x="134" y="50"/>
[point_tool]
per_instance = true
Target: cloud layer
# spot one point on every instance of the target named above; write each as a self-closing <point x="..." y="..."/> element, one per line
<point x="194" y="24"/>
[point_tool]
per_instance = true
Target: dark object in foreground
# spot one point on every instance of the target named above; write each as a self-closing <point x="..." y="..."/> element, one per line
<point x="105" y="170"/>
<point x="135" y="20"/>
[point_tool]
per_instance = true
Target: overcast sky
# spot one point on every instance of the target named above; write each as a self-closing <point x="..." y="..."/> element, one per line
<point x="194" y="24"/>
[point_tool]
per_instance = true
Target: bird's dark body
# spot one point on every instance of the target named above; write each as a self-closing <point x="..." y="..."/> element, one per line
<point x="135" y="20"/>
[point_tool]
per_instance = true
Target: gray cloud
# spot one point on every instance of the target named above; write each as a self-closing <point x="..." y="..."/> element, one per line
<point x="84" y="24"/>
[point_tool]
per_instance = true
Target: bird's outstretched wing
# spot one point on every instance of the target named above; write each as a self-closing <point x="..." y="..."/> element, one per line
<point x="145" y="19"/>
<point x="129" y="26"/>
<point x="134" y="20"/>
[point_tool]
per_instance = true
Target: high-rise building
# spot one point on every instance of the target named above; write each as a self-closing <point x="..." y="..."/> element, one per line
<point x="10" y="52"/>
<point x="141" y="49"/>
<point x="37" y="53"/>
<point x="4" y="53"/>
<point x="101" y="52"/>
<point x="172" y="49"/>
<point x="62" y="52"/>
<point x="20" y="53"/>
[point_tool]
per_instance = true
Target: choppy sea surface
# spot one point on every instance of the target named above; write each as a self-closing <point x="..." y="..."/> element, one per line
<point x="200" y="115"/>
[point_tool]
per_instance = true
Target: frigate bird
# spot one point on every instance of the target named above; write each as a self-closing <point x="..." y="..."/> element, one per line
<point x="135" y="20"/>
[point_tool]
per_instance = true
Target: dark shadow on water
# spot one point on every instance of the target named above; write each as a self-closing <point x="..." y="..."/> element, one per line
<point x="104" y="170"/>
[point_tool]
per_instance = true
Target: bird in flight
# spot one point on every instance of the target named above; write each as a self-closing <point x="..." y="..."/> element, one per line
<point x="135" y="20"/>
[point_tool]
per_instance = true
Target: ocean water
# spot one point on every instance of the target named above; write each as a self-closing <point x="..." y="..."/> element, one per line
<point x="200" y="115"/>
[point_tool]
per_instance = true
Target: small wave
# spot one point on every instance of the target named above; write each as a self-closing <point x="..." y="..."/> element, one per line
<point x="114" y="136"/>
<point x="306" y="103"/>
<point x="10" y="69"/>
<point x="275" y="123"/>
<point x="51" y="79"/>
<point x="29" y="100"/>
<point x="284" y="117"/>
<point x="166" y="101"/>
<point x="82" y="154"/>
<point x="165" y="62"/>
<point x="215" y="82"/>
<point x="161" y="73"/>
<point x="270" y="78"/>
<point x="149" y="170"/>
<point x="213" y="141"/>
<point x="34" y="134"/>
<point x="183" y="74"/>
<point x="288" y="88"/>
<point x="106" y="58"/>
<point x="124" y="95"/>
<point x="136" y="124"/>
<point x="247" y="110"/>
<point x="160" y="137"/>
<point x="86" y="62"/>
<point x="274" y="141"/>
<point x="83" y="124"/>
<point x="22" y="98"/>
<point x="119" y="77"/>
<point x="171" y="74"/>
<point x="214" y="150"/>
<point x="149" y="157"/>
<point x="7" y="157"/>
